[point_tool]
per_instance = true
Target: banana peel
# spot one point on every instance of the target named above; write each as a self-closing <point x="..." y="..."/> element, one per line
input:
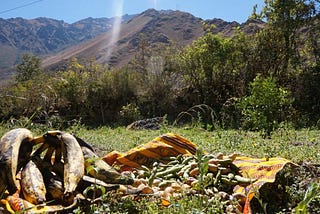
<point x="15" y="148"/>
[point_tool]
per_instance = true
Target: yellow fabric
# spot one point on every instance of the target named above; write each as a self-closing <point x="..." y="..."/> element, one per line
<point x="180" y="143"/>
<point x="264" y="170"/>
<point x="167" y="145"/>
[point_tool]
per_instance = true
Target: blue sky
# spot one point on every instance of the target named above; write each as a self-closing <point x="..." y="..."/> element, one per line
<point x="74" y="10"/>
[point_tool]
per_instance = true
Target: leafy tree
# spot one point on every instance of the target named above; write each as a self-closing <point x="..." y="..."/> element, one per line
<point x="31" y="95"/>
<point x="307" y="96"/>
<point x="287" y="49"/>
<point x="72" y="87"/>
<point x="157" y="88"/>
<point x="215" y="68"/>
<point x="202" y="63"/>
<point x="157" y="82"/>
<point x="107" y="95"/>
<point x="34" y="99"/>
<point x="29" y="68"/>
<point x="266" y="106"/>
<point x="278" y="43"/>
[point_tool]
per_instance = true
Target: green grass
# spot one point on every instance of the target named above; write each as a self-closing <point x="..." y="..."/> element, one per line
<point x="300" y="146"/>
<point x="295" y="145"/>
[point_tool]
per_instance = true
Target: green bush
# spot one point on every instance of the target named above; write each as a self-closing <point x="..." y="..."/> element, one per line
<point x="129" y="113"/>
<point x="266" y="106"/>
<point x="157" y="88"/>
<point x="29" y="68"/>
<point x="33" y="99"/>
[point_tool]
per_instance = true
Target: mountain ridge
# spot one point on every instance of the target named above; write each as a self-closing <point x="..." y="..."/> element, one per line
<point x="158" y="27"/>
<point x="56" y="41"/>
<point x="44" y="36"/>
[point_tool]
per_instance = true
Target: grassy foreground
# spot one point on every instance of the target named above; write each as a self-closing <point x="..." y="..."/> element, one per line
<point x="295" y="145"/>
<point x="300" y="146"/>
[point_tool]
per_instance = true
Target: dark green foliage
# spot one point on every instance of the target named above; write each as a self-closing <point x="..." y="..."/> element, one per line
<point x="92" y="93"/>
<point x="307" y="95"/>
<point x="216" y="71"/>
<point x="267" y="105"/>
<point x="129" y="113"/>
<point x="207" y="70"/>
<point x="114" y="90"/>
<point x="29" y="68"/>
<point x="32" y="99"/>
<point x="278" y="43"/>
<point x="157" y="88"/>
<point x="158" y="84"/>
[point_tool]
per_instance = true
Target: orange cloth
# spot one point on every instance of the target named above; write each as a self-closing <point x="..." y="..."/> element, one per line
<point x="167" y="145"/>
<point x="263" y="170"/>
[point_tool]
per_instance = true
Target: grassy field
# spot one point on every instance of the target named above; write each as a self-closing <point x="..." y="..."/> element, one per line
<point x="300" y="146"/>
<point x="295" y="145"/>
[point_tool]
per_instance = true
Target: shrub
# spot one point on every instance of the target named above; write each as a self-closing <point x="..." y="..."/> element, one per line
<point x="29" y="68"/>
<point x="266" y="106"/>
<point x="129" y="113"/>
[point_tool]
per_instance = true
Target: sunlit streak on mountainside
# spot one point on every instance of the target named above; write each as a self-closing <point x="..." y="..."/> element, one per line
<point x="116" y="27"/>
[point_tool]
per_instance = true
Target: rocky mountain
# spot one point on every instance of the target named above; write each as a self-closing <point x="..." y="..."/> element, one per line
<point x="44" y="36"/>
<point x="157" y="27"/>
<point x="56" y="41"/>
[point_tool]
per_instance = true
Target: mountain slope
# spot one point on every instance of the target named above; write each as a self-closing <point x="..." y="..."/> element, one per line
<point x="156" y="26"/>
<point x="44" y="36"/>
<point x="56" y="42"/>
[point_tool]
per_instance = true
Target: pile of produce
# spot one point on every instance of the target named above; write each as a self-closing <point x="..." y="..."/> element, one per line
<point x="201" y="174"/>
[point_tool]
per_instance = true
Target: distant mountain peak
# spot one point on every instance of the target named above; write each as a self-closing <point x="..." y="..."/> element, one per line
<point x="90" y="37"/>
<point x="150" y="12"/>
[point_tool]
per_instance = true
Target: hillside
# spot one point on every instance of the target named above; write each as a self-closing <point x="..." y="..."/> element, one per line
<point x="158" y="28"/>
<point x="56" y="41"/>
<point x="44" y="36"/>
